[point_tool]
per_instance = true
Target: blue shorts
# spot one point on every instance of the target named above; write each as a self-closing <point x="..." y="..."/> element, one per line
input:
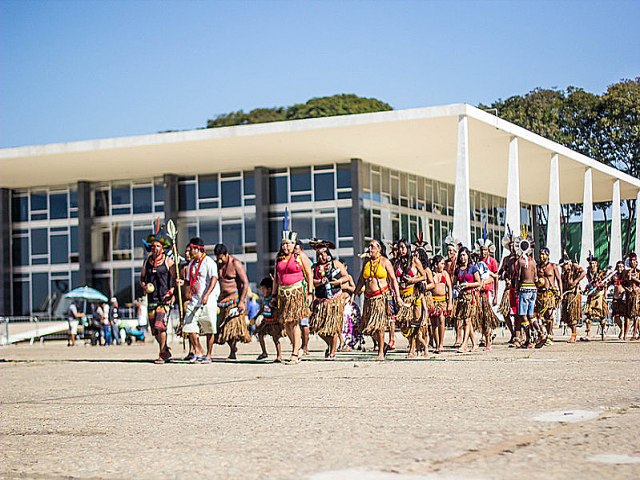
<point x="527" y="301"/>
<point x="304" y="322"/>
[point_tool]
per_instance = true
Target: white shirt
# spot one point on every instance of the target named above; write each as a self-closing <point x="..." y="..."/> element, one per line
<point x="205" y="272"/>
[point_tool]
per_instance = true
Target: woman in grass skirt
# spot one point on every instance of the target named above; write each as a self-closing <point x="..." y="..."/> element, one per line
<point x="327" y="314"/>
<point x="291" y="289"/>
<point x="379" y="281"/>
<point x="467" y="283"/>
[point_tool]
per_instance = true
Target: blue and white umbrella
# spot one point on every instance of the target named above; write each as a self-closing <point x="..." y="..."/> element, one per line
<point x="86" y="293"/>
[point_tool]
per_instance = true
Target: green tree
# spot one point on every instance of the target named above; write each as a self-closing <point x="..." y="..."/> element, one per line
<point x="343" y="104"/>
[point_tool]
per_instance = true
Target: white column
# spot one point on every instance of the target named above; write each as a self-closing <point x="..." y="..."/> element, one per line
<point x="637" y="247"/>
<point x="587" y="219"/>
<point x="554" y="238"/>
<point x="615" y="244"/>
<point x="513" y="214"/>
<point x="461" y="204"/>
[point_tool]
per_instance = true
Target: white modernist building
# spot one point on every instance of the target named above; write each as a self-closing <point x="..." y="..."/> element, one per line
<point x="349" y="178"/>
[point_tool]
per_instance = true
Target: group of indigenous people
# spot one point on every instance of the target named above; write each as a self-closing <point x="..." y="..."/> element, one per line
<point x="407" y="291"/>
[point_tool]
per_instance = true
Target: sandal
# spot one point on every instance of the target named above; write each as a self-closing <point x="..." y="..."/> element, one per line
<point x="159" y="361"/>
<point x="262" y="356"/>
<point x="277" y="360"/>
<point x="294" y="360"/>
<point x="330" y="358"/>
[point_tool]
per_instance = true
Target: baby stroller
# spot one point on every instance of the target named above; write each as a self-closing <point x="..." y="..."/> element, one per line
<point x="91" y="330"/>
<point x="133" y="335"/>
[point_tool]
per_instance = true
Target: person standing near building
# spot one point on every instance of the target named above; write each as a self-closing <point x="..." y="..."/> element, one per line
<point x="157" y="278"/>
<point x="378" y="280"/>
<point x="632" y="285"/>
<point x="507" y="272"/>
<point x="596" y="308"/>
<point x="73" y="317"/>
<point x="527" y="291"/>
<point x="202" y="310"/>
<point x="113" y="320"/>
<point x="467" y="283"/>
<point x="327" y="314"/>
<point x="267" y="324"/>
<point x="572" y="274"/>
<point x="618" y="303"/>
<point x="234" y="285"/>
<point x="292" y="289"/>
<point x="549" y="286"/>
<point x="442" y="301"/>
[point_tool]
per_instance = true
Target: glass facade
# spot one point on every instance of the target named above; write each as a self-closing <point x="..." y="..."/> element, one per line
<point x="221" y="207"/>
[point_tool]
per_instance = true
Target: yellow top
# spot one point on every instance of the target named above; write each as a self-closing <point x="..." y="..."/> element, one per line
<point x="374" y="269"/>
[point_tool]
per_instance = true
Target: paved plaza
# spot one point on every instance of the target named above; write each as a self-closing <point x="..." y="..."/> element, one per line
<point x="565" y="411"/>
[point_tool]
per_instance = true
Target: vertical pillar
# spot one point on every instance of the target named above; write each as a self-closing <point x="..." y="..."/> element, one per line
<point x="6" y="305"/>
<point x="85" y="223"/>
<point x="357" y="218"/>
<point x="637" y="244"/>
<point x="170" y="187"/>
<point x="587" y="243"/>
<point x="554" y="235"/>
<point x="261" y="179"/>
<point x="615" y="245"/>
<point x="512" y="214"/>
<point x="462" y="205"/>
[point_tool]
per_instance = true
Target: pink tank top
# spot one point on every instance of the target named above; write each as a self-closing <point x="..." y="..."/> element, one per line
<point x="289" y="271"/>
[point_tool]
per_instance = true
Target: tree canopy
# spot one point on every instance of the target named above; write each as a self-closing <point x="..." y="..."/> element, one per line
<point x="342" y="104"/>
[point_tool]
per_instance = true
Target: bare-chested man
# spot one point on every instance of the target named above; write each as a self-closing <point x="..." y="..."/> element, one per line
<point x="234" y="285"/>
<point x="526" y="285"/>
<point x="549" y="293"/>
<point x="632" y="285"/>
<point x="618" y="304"/>
<point x="596" y="308"/>
<point x="572" y="274"/>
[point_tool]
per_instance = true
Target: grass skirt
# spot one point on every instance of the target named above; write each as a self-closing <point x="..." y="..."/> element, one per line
<point x="633" y="304"/>
<point x="405" y="317"/>
<point x="232" y="329"/>
<point x="292" y="304"/>
<point x="571" y="308"/>
<point x="596" y="307"/>
<point x="546" y="303"/>
<point x="619" y="307"/>
<point x="273" y="328"/>
<point x="375" y="316"/>
<point x="328" y="315"/>
<point x="487" y="319"/>
<point x="505" y="304"/>
<point x="468" y="307"/>
<point x="438" y="308"/>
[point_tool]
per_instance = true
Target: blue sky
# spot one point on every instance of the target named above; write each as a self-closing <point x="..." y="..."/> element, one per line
<point x="74" y="70"/>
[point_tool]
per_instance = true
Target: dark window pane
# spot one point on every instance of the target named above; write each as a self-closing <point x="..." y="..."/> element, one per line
<point x="158" y="192"/>
<point x="344" y="175"/>
<point x="122" y="285"/>
<point x="344" y="222"/>
<point x="301" y="198"/>
<point x="58" y="206"/>
<point x="323" y="188"/>
<point x="39" y="241"/>
<point x="278" y="190"/>
<point x="19" y="208"/>
<point x="249" y="183"/>
<point x="121" y="195"/>
<point x="209" y="230"/>
<point x="187" y="197"/>
<point x="38" y="201"/>
<point x="20" y="298"/>
<point x="102" y="283"/>
<point x="232" y="237"/>
<point x="20" y="251"/>
<point x="101" y="203"/>
<point x="249" y="228"/>
<point x="40" y="292"/>
<point x="142" y="202"/>
<point x="252" y="273"/>
<point x="275" y="235"/>
<point x="326" y="228"/>
<point x="301" y="179"/>
<point x="301" y="222"/>
<point x="121" y="237"/>
<point x="59" y="248"/>
<point x="59" y="286"/>
<point x="231" y="194"/>
<point x="208" y="204"/>
<point x="73" y="236"/>
<point x="207" y="186"/>
<point x="377" y="228"/>
<point x="75" y="279"/>
<point x="366" y="213"/>
<point x="73" y="199"/>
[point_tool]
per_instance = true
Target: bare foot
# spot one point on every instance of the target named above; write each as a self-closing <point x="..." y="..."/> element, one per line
<point x="411" y="355"/>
